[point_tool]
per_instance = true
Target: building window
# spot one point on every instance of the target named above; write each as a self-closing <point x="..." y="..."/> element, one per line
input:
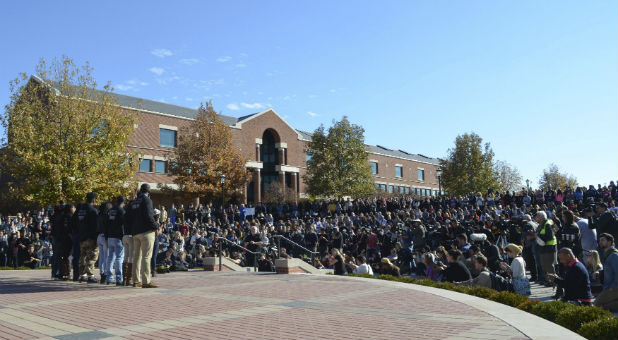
<point x="407" y="190"/>
<point x="145" y="165"/>
<point x="383" y="187"/>
<point x="421" y="174"/>
<point x="160" y="167"/>
<point x="308" y="156"/>
<point x="377" y="187"/>
<point x="390" y="189"/>
<point x="374" y="167"/>
<point x="398" y="171"/>
<point x="167" y="138"/>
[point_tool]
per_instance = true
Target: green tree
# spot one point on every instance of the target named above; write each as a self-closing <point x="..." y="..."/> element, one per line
<point x="339" y="165"/>
<point x="65" y="138"/>
<point x="509" y="178"/>
<point x="204" y="153"/>
<point x="553" y="179"/>
<point x="469" y="166"/>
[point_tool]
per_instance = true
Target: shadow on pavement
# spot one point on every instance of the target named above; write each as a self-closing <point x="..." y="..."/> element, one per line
<point x="15" y="286"/>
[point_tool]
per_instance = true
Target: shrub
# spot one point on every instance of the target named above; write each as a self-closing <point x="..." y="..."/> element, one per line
<point x="574" y="318"/>
<point x="509" y="298"/>
<point x="550" y="310"/>
<point x="389" y="277"/>
<point x="425" y="282"/>
<point x="605" y="328"/>
<point x="482" y="292"/>
<point x="527" y="305"/>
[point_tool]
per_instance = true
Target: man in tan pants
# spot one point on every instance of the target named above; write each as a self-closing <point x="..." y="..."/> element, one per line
<point x="143" y="226"/>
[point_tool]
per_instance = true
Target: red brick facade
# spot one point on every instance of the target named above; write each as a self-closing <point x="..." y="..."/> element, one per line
<point x="283" y="159"/>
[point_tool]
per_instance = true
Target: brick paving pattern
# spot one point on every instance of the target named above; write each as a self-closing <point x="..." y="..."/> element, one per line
<point x="229" y="305"/>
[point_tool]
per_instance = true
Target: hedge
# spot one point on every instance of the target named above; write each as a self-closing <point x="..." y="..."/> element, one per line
<point x="589" y="322"/>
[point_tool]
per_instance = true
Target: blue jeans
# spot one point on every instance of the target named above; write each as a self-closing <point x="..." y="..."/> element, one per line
<point x="102" y="244"/>
<point x="115" y="255"/>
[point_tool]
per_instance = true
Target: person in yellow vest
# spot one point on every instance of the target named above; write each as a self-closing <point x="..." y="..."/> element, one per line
<point x="546" y="241"/>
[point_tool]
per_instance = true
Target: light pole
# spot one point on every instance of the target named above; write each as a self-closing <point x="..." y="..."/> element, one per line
<point x="528" y="185"/>
<point x="439" y="173"/>
<point x="222" y="177"/>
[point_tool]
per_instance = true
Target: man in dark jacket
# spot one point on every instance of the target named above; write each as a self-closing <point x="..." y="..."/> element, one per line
<point x="61" y="234"/>
<point x="114" y="231"/>
<point x="576" y="282"/>
<point x="603" y="222"/>
<point x="143" y="227"/>
<point x="85" y="218"/>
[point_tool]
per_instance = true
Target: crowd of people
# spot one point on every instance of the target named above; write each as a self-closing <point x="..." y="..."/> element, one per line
<point x="563" y="238"/>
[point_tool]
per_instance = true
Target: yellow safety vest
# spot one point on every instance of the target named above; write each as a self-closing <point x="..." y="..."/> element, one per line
<point x="553" y="241"/>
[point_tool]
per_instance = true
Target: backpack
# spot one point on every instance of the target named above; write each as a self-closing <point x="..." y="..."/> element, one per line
<point x="500" y="284"/>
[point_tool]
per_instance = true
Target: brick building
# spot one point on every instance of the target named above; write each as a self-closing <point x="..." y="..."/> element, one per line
<point x="274" y="150"/>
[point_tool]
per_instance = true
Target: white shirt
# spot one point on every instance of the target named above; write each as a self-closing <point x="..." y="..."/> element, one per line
<point x="363" y="269"/>
<point x="518" y="268"/>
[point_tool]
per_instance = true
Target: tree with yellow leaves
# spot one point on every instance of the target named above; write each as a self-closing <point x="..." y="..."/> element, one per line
<point x="204" y="153"/>
<point x="64" y="137"/>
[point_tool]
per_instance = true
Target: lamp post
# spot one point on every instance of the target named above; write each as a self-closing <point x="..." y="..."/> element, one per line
<point x="528" y="185"/>
<point x="222" y="177"/>
<point x="439" y="173"/>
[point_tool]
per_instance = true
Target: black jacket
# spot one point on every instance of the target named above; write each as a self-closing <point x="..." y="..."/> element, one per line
<point x="114" y="226"/>
<point x="142" y="215"/>
<point x="457" y="272"/>
<point x="604" y="224"/>
<point x="85" y="220"/>
<point x="576" y="282"/>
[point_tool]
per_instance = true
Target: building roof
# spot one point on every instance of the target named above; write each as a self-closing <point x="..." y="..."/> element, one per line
<point x="382" y="150"/>
<point x="170" y="109"/>
<point x="153" y="106"/>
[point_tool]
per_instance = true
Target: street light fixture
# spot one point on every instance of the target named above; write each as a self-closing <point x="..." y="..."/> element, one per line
<point x="439" y="173"/>
<point x="222" y="178"/>
<point x="528" y="185"/>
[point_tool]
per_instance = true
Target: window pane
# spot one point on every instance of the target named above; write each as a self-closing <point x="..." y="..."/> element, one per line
<point x="383" y="186"/>
<point x="160" y="167"/>
<point x="144" y="165"/>
<point x="308" y="156"/>
<point x="421" y="175"/>
<point x="398" y="171"/>
<point x="168" y="138"/>
<point x="374" y="167"/>
<point x="390" y="189"/>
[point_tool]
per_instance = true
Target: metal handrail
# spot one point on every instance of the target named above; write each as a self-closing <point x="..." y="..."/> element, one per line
<point x="254" y="253"/>
<point x="279" y="237"/>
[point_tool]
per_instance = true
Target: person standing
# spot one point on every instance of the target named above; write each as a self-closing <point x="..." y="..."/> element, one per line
<point x="114" y="232"/>
<point x="85" y="218"/>
<point x="101" y="240"/>
<point x="127" y="245"/>
<point x="143" y="228"/>
<point x="546" y="240"/>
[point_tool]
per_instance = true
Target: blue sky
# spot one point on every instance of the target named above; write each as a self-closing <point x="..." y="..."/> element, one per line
<point x="536" y="79"/>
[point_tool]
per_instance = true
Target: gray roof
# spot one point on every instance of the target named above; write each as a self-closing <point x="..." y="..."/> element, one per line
<point x="170" y="109"/>
<point x="153" y="106"/>
<point x="378" y="149"/>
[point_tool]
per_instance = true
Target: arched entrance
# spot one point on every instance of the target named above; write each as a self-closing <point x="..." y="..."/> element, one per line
<point x="269" y="156"/>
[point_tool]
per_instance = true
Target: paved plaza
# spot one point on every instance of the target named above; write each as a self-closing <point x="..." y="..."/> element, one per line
<point x="231" y="305"/>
